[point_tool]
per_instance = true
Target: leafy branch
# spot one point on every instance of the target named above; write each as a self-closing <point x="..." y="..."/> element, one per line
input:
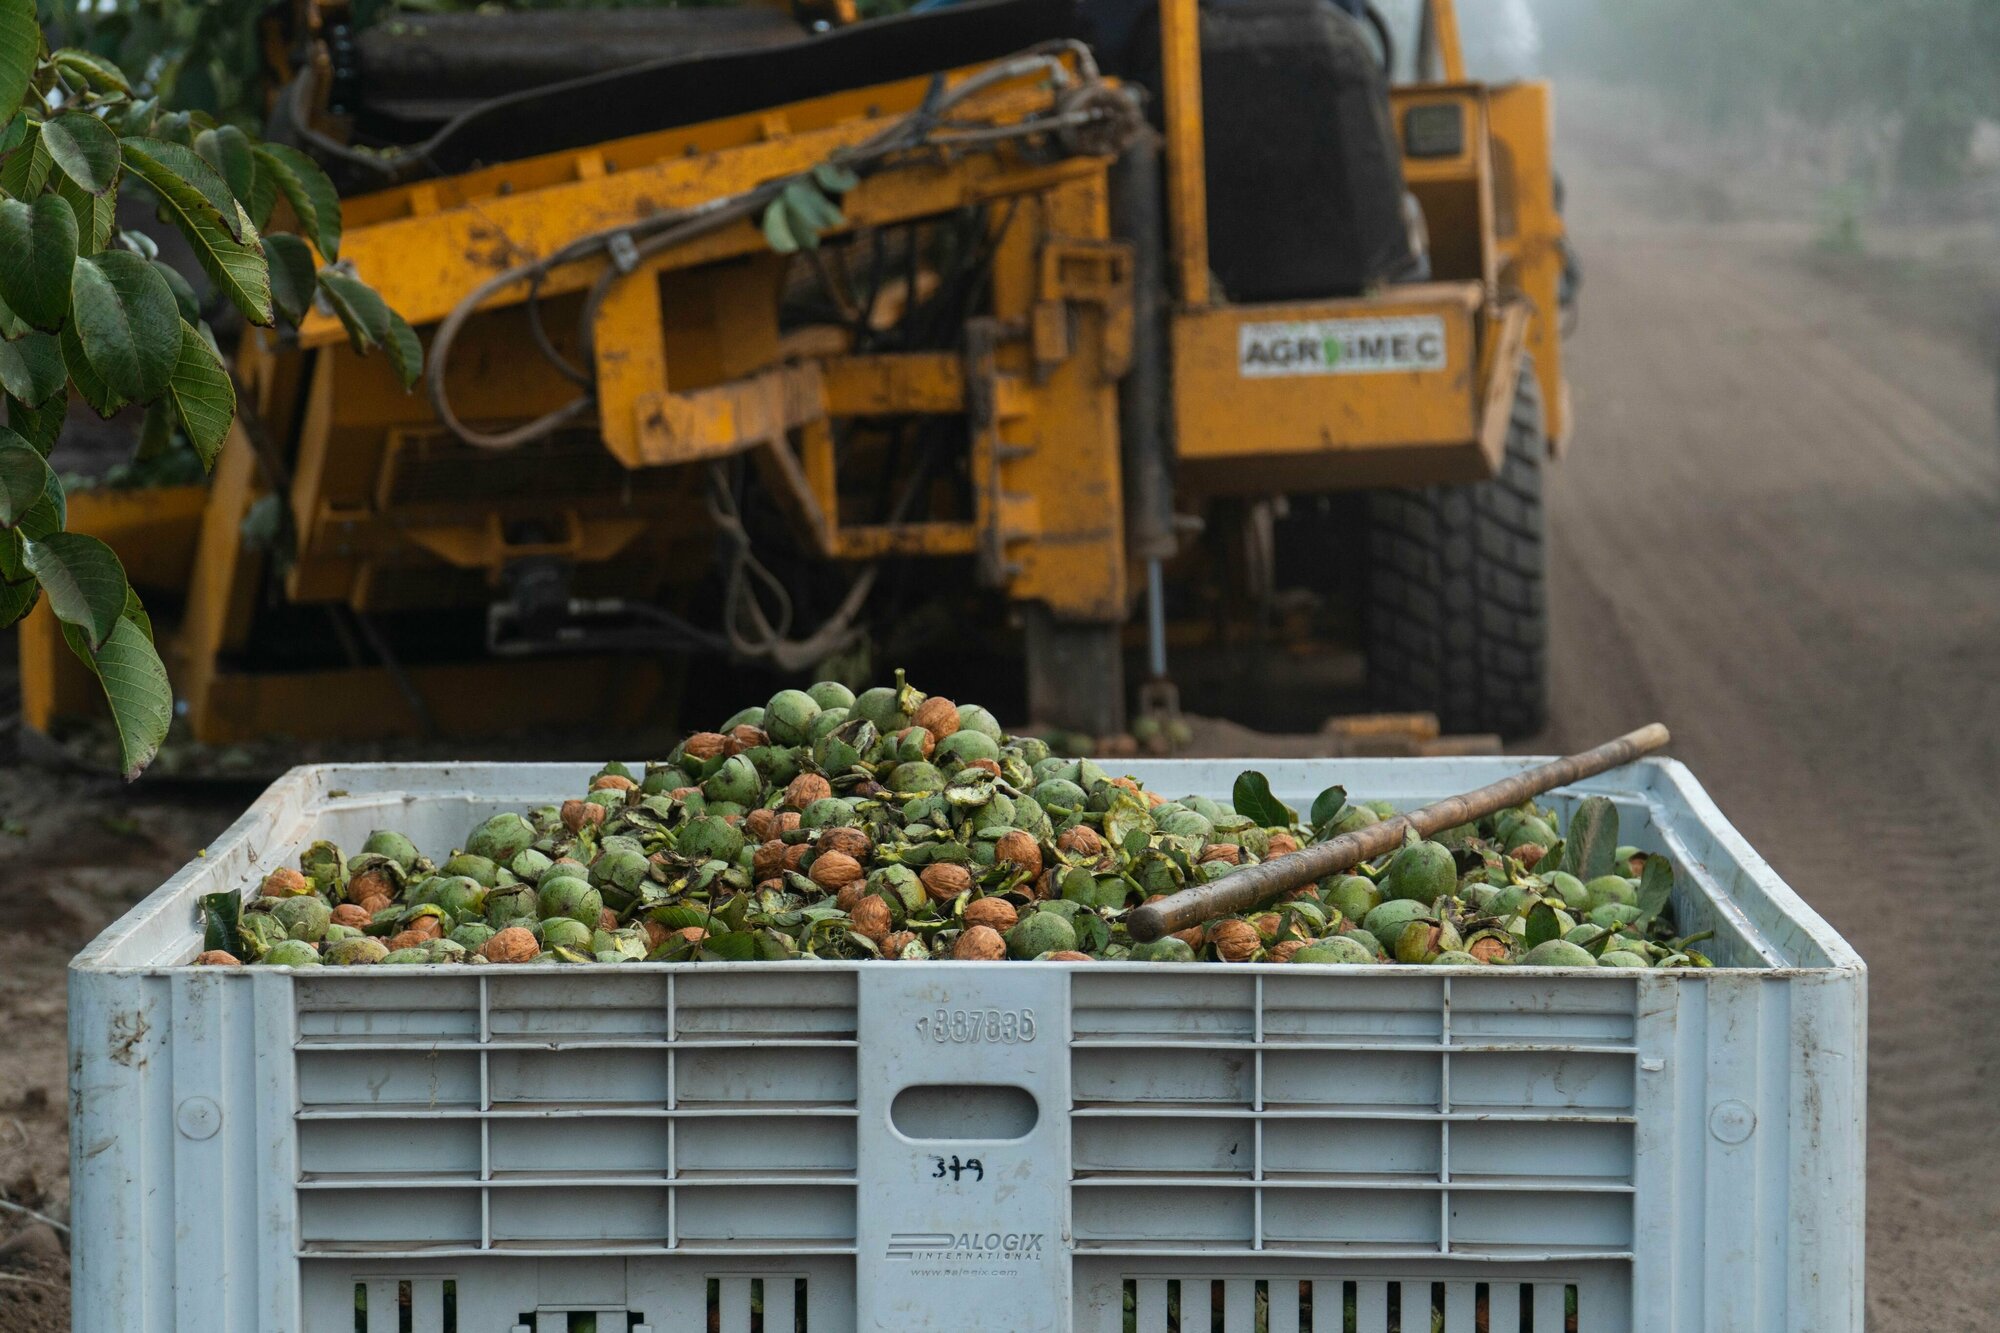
<point x="90" y="311"/>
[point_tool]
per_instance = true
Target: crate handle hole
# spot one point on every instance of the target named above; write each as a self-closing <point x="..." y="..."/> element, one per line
<point x="964" y="1111"/>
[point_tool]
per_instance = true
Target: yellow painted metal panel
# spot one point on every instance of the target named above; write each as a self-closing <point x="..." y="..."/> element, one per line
<point x="423" y="265"/>
<point x="1523" y="126"/>
<point x="1187" y="169"/>
<point x="1223" y="413"/>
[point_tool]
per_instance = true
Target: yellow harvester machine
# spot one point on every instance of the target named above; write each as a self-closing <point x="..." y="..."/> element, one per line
<point x="757" y="333"/>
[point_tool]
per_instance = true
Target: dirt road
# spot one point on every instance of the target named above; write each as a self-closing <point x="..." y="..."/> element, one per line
<point x="1780" y="533"/>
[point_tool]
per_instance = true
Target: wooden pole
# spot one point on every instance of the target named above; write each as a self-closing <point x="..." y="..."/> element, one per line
<point x="1253" y="886"/>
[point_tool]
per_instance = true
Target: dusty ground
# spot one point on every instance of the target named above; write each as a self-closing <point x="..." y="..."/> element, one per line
<point x="1779" y="532"/>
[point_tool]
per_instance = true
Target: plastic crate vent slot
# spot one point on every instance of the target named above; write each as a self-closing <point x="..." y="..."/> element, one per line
<point x="637" y="1115"/>
<point x="582" y="1321"/>
<point x="1365" y="1305"/>
<point x="773" y="1304"/>
<point x="406" y="1305"/>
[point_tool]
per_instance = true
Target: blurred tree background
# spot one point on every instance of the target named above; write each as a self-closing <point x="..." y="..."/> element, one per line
<point x="1927" y="69"/>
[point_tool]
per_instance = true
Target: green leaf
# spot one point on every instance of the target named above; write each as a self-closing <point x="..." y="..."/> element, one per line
<point x="363" y="313"/>
<point x="32" y="370"/>
<point x="1542" y="925"/>
<point x="406" y="353"/>
<point x="235" y="267"/>
<point x="87" y="67"/>
<point x="220" y="913"/>
<point x="311" y="195"/>
<point x="85" y="583"/>
<point x="184" y="297"/>
<point x="14" y="133"/>
<point x="778" y="230"/>
<point x="16" y="599"/>
<point x="12" y="326"/>
<point x="103" y="400"/>
<point x="1326" y="806"/>
<point x="27" y="167"/>
<point x="292" y="268"/>
<point x="20" y="47"/>
<point x="135" y="611"/>
<point x="37" y="250"/>
<point x="96" y="214"/>
<point x="735" y="946"/>
<point x="227" y="149"/>
<point x="45" y="518"/>
<point x="1591" y="839"/>
<point x="156" y="431"/>
<point x="128" y="322"/>
<point x="191" y="168"/>
<point x="834" y="178"/>
<point x="39" y="426"/>
<point x="203" y="396"/>
<point x="1656" y="890"/>
<point x="24" y="478"/>
<point x="1253" y="800"/>
<point x="84" y="149"/>
<point x="135" y="685"/>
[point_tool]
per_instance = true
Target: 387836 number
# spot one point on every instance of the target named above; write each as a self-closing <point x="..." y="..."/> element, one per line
<point x="1000" y="1027"/>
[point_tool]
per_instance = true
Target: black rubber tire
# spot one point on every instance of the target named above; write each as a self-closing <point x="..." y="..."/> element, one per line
<point x="1456" y="615"/>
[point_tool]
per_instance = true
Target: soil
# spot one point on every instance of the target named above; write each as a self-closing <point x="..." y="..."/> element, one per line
<point x="1778" y="531"/>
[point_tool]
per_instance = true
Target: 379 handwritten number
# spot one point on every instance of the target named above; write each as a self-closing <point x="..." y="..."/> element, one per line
<point x="958" y="1170"/>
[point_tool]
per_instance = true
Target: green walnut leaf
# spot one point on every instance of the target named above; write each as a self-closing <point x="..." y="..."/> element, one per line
<point x="184" y="297"/>
<point x="85" y="583"/>
<point x="290" y="261"/>
<point x="306" y="188"/>
<point x="96" y="215"/>
<point x="1591" y="839"/>
<point x="1253" y="800"/>
<point x="128" y="322"/>
<point x="1326" y="806"/>
<point x="12" y="326"/>
<point x="834" y="178"/>
<point x="28" y="164"/>
<point x="103" y="399"/>
<point x="735" y="946"/>
<point x="214" y="230"/>
<point x="89" y="68"/>
<point x="1656" y="890"/>
<point x="84" y="149"/>
<point x="135" y="685"/>
<point x="191" y="169"/>
<point x="362" y="312"/>
<point x="406" y="353"/>
<point x="16" y="599"/>
<point x="220" y="914"/>
<point x="24" y="478"/>
<point x="203" y="396"/>
<point x="13" y="133"/>
<point x="31" y="369"/>
<point x="778" y="229"/>
<point x="227" y="149"/>
<point x="1542" y="924"/>
<point x="37" y="250"/>
<point x="40" y="521"/>
<point x="20" y="47"/>
<point x="156" y="430"/>
<point x="39" y="426"/>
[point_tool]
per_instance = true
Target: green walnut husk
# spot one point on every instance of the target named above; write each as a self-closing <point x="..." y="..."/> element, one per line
<point x="915" y="839"/>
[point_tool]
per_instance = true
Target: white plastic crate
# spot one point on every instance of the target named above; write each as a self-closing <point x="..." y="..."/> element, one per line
<point x="1008" y="1146"/>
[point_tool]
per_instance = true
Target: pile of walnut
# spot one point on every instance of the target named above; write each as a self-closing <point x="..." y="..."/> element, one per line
<point x="898" y="825"/>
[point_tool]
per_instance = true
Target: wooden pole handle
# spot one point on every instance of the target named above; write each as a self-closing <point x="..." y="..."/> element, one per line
<point x="1253" y="886"/>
